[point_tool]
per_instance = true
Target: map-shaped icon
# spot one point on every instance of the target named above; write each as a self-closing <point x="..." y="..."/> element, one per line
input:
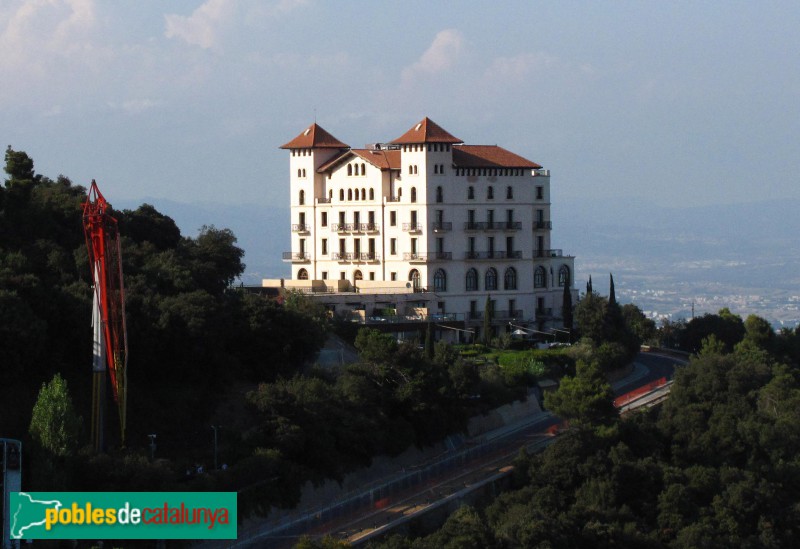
<point x="27" y="513"/>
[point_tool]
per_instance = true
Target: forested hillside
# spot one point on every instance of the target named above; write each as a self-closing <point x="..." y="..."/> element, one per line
<point x="718" y="465"/>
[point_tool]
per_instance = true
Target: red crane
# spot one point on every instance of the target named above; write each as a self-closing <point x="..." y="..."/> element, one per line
<point x="110" y="336"/>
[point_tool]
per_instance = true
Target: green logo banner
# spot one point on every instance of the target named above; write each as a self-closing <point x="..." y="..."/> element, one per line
<point x="122" y="515"/>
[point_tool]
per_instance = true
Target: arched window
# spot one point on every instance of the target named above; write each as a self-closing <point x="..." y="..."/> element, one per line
<point x="349" y="194"/>
<point x="413" y="194"/>
<point x="302" y="274"/>
<point x="439" y="194"/>
<point x="330" y="194"/>
<point x="472" y="280"/>
<point x="341" y="194"/>
<point x="410" y="169"/>
<point x="356" y="194"/>
<point x="490" y="193"/>
<point x="349" y="169"/>
<point x="440" y="281"/>
<point x="563" y="276"/>
<point x="413" y="276"/>
<point x="491" y="279"/>
<point x="470" y="192"/>
<point x="540" y="277"/>
<point x="509" y="192"/>
<point x="363" y="194"/>
<point x="399" y="193"/>
<point x="357" y="276"/>
<point x="372" y="194"/>
<point x="510" y="279"/>
<point x="302" y="197"/>
<point x="363" y="169"/>
<point x="299" y="172"/>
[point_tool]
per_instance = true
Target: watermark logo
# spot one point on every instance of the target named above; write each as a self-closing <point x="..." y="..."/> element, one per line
<point x="122" y="515"/>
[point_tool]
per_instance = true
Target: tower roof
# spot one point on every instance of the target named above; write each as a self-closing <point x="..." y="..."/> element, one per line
<point x="315" y="137"/>
<point x="489" y="156"/>
<point x="426" y="131"/>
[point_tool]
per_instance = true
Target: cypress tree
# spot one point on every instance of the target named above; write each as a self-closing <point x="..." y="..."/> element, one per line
<point x="429" y="341"/>
<point x="612" y="296"/>
<point x="589" y="288"/>
<point x="487" y="320"/>
<point x="566" y="308"/>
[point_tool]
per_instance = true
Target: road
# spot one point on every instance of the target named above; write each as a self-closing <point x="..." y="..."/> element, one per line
<point x="417" y="490"/>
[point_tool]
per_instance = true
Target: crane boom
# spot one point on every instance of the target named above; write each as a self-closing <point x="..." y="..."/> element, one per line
<point x="111" y="340"/>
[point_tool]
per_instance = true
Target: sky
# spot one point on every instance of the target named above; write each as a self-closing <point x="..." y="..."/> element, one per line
<point x="679" y="103"/>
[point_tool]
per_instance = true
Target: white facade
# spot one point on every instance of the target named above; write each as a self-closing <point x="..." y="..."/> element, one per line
<point x="424" y="225"/>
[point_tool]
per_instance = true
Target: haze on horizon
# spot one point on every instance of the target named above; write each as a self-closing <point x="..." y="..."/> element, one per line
<point x="678" y="103"/>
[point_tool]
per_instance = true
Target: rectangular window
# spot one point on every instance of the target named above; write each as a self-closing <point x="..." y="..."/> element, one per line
<point x="393" y="276"/>
<point x="323" y="219"/>
<point x="440" y="245"/>
<point x="356" y="219"/>
<point x="510" y="216"/>
<point x="324" y="246"/>
<point x="342" y="275"/>
<point x="539" y="193"/>
<point x="413" y="219"/>
<point x="471" y="244"/>
<point x="393" y="218"/>
<point x="302" y="219"/>
<point x="414" y="246"/>
<point x="392" y="246"/>
<point x="357" y="247"/>
<point x="490" y="217"/>
<point x="471" y="216"/>
<point x="324" y="275"/>
<point x="302" y="245"/>
<point x="372" y="275"/>
<point x="342" y="245"/>
<point x="341" y="218"/>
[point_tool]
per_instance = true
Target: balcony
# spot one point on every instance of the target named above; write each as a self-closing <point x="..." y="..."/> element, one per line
<point x="440" y="256"/>
<point x="342" y="227"/>
<point x="515" y="314"/>
<point x="392" y="199"/>
<point x="544" y="313"/>
<point x="493" y="255"/>
<point x="541" y="173"/>
<point x="369" y="256"/>
<point x="441" y="226"/>
<point x="547" y="253"/>
<point x="492" y="225"/>
<point x="542" y="225"/>
<point x="412" y="227"/>
<point x="297" y="257"/>
<point x="323" y="200"/>
<point x="342" y="256"/>
<point x="415" y="257"/>
<point x="301" y="228"/>
<point x="370" y="227"/>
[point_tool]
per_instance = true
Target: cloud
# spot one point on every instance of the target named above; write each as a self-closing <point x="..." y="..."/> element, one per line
<point x="202" y="27"/>
<point x="443" y="53"/>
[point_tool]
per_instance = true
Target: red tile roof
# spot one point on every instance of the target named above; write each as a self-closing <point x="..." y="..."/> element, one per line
<point x="383" y="160"/>
<point x="426" y="131"/>
<point x="488" y="156"/>
<point x="315" y="137"/>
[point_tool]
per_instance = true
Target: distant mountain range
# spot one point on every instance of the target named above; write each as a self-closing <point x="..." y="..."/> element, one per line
<point x="742" y="256"/>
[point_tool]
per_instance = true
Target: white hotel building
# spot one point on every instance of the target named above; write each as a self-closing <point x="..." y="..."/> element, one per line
<point x="423" y="228"/>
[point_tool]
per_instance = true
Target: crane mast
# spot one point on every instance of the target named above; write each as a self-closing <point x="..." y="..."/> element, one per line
<point x="110" y="350"/>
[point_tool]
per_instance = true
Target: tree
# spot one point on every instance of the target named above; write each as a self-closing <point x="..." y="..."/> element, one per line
<point x="375" y="347"/>
<point x="566" y="308"/>
<point x="487" y="320"/>
<point x="55" y="426"/>
<point x="584" y="400"/>
<point x="612" y="295"/>
<point x="759" y="332"/>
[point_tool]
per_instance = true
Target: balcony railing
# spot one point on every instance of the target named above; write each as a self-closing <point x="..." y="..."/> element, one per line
<point x="544" y="313"/>
<point x="492" y="225"/>
<point x="541" y="173"/>
<point x="392" y="199"/>
<point x="296" y="256"/>
<point x="342" y="256"/>
<point x="441" y="226"/>
<point x="509" y="314"/>
<point x="414" y="256"/>
<point x="342" y="227"/>
<point x="301" y="228"/>
<point x="369" y="256"/>
<point x="412" y="227"/>
<point x="323" y="200"/>
<point x="397" y="319"/>
<point x="440" y="256"/>
<point x="370" y="227"/>
<point x="542" y="225"/>
<point x="547" y="253"/>
<point x="493" y="255"/>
